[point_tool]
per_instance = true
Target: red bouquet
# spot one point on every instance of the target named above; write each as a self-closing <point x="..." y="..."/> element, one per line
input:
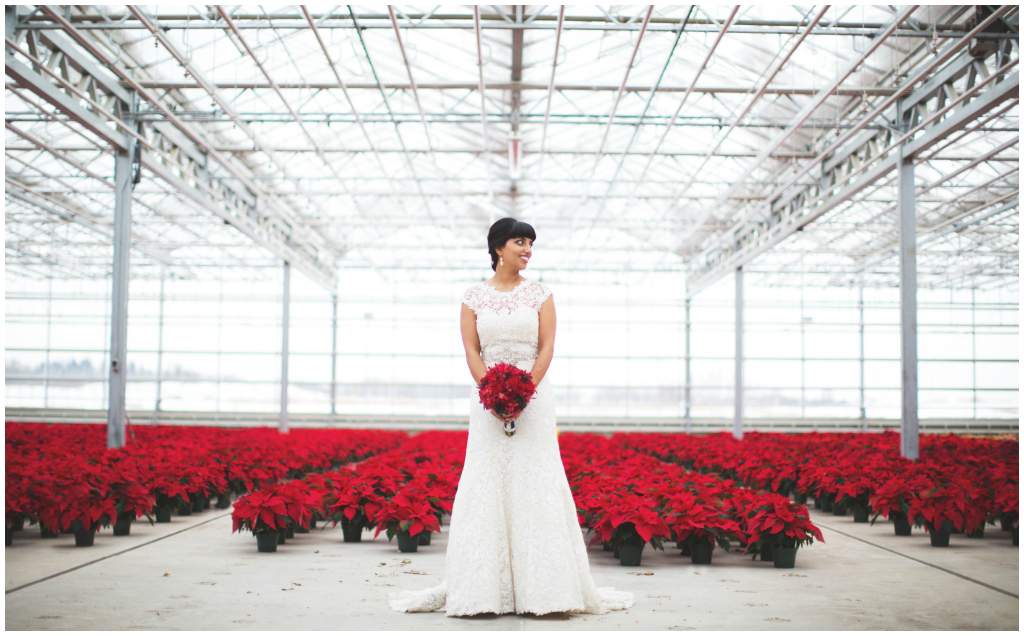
<point x="506" y="389"/>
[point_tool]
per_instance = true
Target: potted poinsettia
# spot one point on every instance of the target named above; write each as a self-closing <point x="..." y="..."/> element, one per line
<point x="773" y="521"/>
<point x="944" y="505"/>
<point x="300" y="503"/>
<point x="354" y="506"/>
<point x="854" y="493"/>
<point x="133" y="502"/>
<point x="170" y="494"/>
<point x="630" y="525"/>
<point x="699" y="524"/>
<point x="264" y="514"/>
<point x="892" y="498"/>
<point x="406" y="518"/>
<point x="1006" y="505"/>
<point x="82" y="508"/>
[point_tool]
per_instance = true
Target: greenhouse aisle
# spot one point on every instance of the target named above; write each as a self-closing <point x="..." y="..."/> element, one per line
<point x="194" y="574"/>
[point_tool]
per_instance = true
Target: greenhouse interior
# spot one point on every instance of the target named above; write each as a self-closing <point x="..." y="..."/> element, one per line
<point x="247" y="248"/>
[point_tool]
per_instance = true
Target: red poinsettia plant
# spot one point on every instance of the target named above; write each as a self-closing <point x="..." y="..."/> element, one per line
<point x="79" y="506"/>
<point x="631" y="520"/>
<point x="260" y="512"/>
<point x="506" y="389"/>
<point x="773" y="521"/>
<point x="694" y="520"/>
<point x="354" y="503"/>
<point x="405" y="514"/>
<point x="949" y="500"/>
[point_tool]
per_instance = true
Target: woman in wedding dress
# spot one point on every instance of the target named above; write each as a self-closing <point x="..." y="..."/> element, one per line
<point x="515" y="543"/>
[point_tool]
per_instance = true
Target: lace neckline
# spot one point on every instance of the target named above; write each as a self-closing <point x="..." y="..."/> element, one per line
<point x="498" y="291"/>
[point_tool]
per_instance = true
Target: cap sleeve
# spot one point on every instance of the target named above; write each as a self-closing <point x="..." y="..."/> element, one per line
<point x="470" y="297"/>
<point x="541" y="292"/>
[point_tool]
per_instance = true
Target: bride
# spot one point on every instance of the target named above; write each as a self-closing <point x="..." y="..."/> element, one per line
<point x="515" y="543"/>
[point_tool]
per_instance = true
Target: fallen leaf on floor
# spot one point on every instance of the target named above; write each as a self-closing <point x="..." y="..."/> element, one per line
<point x="696" y="572"/>
<point x="380" y="564"/>
<point x="167" y="573"/>
<point x="316" y="551"/>
<point x="294" y="583"/>
<point x="647" y="573"/>
<point x="285" y="589"/>
<point x="801" y="575"/>
<point x="248" y="592"/>
<point x="404" y="561"/>
<point x="206" y="583"/>
<point x="413" y="572"/>
<point x="774" y="619"/>
<point x="756" y="604"/>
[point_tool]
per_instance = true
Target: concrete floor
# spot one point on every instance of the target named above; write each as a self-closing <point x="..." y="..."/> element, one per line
<point x="194" y="574"/>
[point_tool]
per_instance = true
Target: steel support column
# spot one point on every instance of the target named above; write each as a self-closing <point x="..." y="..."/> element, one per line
<point x="974" y="354"/>
<point x="285" y="303"/>
<point x="908" y="304"/>
<point x="737" y="422"/>
<point x="687" y="395"/>
<point x="334" y="359"/>
<point x="119" y="294"/>
<point x="159" y="355"/>
<point x="863" y="410"/>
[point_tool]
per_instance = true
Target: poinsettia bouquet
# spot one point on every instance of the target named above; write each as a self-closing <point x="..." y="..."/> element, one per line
<point x="506" y="389"/>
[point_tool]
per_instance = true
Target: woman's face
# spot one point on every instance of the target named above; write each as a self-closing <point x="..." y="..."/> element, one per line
<point x="516" y="253"/>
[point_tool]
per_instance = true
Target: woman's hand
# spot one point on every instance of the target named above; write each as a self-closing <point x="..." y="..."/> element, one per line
<point x="503" y="418"/>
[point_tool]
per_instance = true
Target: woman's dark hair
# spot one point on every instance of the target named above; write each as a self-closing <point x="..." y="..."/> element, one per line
<point x="502" y="231"/>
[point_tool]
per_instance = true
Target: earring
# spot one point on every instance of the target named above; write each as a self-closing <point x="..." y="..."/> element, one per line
<point x="501" y="262"/>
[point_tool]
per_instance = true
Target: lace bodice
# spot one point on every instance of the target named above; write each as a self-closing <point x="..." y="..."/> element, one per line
<point x="506" y="322"/>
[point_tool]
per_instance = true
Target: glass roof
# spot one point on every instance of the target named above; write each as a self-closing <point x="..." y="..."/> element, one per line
<point x="637" y="139"/>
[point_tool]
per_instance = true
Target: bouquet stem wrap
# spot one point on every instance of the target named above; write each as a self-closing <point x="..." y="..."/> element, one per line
<point x="506" y="389"/>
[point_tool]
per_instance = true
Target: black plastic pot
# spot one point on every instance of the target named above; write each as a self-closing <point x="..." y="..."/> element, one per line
<point x="785" y="557"/>
<point x="312" y="523"/>
<point x="206" y="503"/>
<point x="266" y="542"/>
<point x="615" y="550"/>
<point x="901" y="525"/>
<point x="685" y="547"/>
<point x="163" y="515"/>
<point x="185" y="509"/>
<point x="223" y="501"/>
<point x="940" y="536"/>
<point x="800" y="498"/>
<point x="407" y="542"/>
<point x="301" y="529"/>
<point x="280" y="537"/>
<point x="606" y="546"/>
<point x="839" y="509"/>
<point x="19" y="524"/>
<point x="123" y="526"/>
<point x="977" y="533"/>
<point x="860" y="515"/>
<point x="767" y="553"/>
<point x="352" y="532"/>
<point x="289" y="533"/>
<point x="818" y="502"/>
<point x="197" y="504"/>
<point x="425" y="537"/>
<point x="1006" y="523"/>
<point x="84" y="538"/>
<point x="46" y="533"/>
<point x="827" y="503"/>
<point x="630" y="554"/>
<point x="1016" y="535"/>
<point x="8" y="535"/>
<point x="700" y="553"/>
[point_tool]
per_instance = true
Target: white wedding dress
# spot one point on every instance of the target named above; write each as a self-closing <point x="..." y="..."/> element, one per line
<point x="515" y="543"/>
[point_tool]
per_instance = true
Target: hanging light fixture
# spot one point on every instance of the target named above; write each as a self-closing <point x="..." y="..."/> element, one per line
<point x="515" y="157"/>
